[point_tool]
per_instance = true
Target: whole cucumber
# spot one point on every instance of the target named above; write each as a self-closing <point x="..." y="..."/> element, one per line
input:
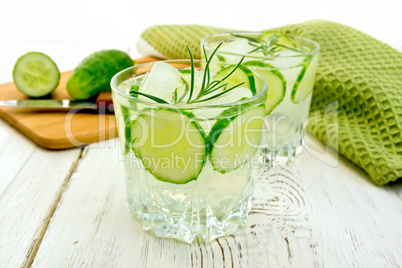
<point x="93" y="74"/>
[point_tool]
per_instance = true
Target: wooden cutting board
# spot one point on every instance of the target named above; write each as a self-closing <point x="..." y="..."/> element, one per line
<point x="59" y="130"/>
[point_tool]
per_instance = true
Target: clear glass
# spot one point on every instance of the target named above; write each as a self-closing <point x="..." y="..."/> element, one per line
<point x="216" y="201"/>
<point x="287" y="111"/>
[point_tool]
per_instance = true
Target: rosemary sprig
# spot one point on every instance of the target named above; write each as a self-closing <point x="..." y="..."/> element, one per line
<point x="207" y="86"/>
<point x="269" y="47"/>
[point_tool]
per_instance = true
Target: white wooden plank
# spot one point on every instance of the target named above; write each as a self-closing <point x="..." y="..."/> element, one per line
<point x="31" y="181"/>
<point x="15" y="150"/>
<point x="310" y="214"/>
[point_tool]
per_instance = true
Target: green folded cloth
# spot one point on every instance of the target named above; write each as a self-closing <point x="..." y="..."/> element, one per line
<point x="360" y="74"/>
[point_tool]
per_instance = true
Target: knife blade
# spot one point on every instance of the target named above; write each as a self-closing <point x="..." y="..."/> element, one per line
<point x="102" y="104"/>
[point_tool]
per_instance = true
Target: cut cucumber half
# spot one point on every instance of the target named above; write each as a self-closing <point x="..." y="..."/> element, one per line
<point x="305" y="81"/>
<point x="170" y="145"/>
<point x="282" y="40"/>
<point x="234" y="140"/>
<point x="35" y="74"/>
<point x="240" y="75"/>
<point x="276" y="83"/>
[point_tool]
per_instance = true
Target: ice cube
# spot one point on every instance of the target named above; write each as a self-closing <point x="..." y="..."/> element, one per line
<point x="238" y="46"/>
<point x="287" y="58"/>
<point x="162" y="81"/>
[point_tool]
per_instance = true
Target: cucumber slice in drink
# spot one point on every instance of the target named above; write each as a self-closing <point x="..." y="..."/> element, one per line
<point x="305" y="81"/>
<point x="282" y="40"/>
<point x="127" y="131"/>
<point x="234" y="140"/>
<point x="170" y="145"/>
<point x="240" y="75"/>
<point x="276" y="83"/>
<point x="36" y="75"/>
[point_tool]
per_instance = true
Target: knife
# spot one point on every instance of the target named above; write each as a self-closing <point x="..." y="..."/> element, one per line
<point x="103" y="104"/>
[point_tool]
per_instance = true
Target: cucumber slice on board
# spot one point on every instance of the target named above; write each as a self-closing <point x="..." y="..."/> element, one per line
<point x="282" y="40"/>
<point x="276" y="83"/>
<point x="240" y="75"/>
<point x="305" y="81"/>
<point x="170" y="145"/>
<point x="36" y="75"/>
<point x="233" y="140"/>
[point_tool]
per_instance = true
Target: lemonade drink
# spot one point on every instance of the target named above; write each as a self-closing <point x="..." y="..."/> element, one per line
<point x="188" y="164"/>
<point x="289" y="65"/>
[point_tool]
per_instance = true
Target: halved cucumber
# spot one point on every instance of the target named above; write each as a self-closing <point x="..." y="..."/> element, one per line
<point x="35" y="74"/>
<point x="305" y="81"/>
<point x="282" y="40"/>
<point x="276" y="83"/>
<point x="234" y="140"/>
<point x="241" y="75"/>
<point x="170" y="145"/>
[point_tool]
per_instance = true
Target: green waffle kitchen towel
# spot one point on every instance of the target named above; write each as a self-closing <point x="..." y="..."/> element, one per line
<point x="358" y="73"/>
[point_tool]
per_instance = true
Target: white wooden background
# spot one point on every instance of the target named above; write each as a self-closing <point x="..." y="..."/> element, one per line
<point x="68" y="208"/>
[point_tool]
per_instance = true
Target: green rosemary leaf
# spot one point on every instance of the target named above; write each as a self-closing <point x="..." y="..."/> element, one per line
<point x="216" y="88"/>
<point x="252" y="39"/>
<point x="174" y="97"/>
<point x="269" y="47"/>
<point x="234" y="69"/>
<point x="149" y="96"/>
<point x="206" y="70"/>
<point x="192" y="75"/>
<point x="221" y="93"/>
<point x="186" y="89"/>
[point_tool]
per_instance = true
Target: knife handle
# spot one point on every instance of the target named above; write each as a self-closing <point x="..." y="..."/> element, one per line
<point x="104" y="102"/>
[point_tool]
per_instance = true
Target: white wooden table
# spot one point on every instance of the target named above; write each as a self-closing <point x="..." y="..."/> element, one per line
<point x="69" y="209"/>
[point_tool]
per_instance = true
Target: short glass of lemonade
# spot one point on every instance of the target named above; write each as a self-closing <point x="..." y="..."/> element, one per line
<point x="289" y="65"/>
<point x="188" y="154"/>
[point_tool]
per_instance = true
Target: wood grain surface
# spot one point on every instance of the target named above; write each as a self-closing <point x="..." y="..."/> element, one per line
<point x="301" y="217"/>
<point x="58" y="130"/>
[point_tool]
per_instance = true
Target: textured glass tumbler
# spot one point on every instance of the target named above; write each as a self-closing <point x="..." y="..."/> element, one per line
<point x="290" y="76"/>
<point x="161" y="143"/>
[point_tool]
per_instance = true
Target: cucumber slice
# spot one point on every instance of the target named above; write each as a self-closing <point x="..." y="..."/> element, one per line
<point x="127" y="131"/>
<point x="234" y="140"/>
<point x="240" y="75"/>
<point x="276" y="83"/>
<point x="283" y="39"/>
<point x="35" y="74"/>
<point x="170" y="145"/>
<point x="305" y="81"/>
